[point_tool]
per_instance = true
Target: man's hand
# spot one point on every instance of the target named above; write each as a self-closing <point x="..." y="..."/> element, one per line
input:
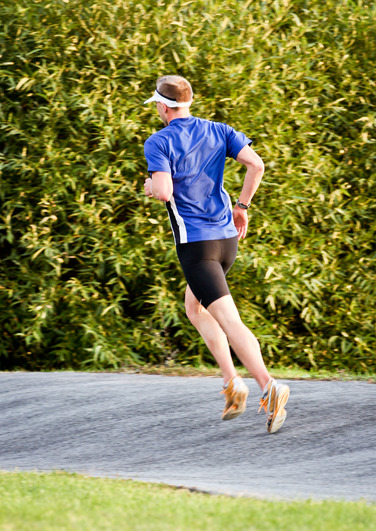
<point x="161" y="188"/>
<point x="240" y="217"/>
<point x="148" y="188"/>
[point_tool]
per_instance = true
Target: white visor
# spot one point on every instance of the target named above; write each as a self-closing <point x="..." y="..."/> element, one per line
<point x="168" y="101"/>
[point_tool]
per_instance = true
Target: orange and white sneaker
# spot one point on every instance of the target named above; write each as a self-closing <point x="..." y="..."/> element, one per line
<point x="236" y="393"/>
<point x="273" y="401"/>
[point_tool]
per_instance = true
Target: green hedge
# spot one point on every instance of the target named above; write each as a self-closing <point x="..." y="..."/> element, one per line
<point x="88" y="275"/>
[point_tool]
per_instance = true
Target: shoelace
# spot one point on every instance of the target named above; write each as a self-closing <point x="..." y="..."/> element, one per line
<point x="227" y="392"/>
<point x="265" y="400"/>
<point x="264" y="403"/>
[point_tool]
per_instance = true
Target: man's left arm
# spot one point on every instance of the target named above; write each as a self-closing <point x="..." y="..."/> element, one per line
<point x="252" y="179"/>
<point x="159" y="186"/>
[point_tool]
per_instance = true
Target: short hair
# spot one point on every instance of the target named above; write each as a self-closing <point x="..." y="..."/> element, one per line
<point x="175" y="87"/>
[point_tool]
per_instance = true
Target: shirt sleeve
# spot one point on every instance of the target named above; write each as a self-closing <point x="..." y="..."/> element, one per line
<point x="155" y="156"/>
<point x="235" y="141"/>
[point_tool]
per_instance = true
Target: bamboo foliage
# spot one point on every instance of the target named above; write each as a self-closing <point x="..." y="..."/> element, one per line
<point x="88" y="275"/>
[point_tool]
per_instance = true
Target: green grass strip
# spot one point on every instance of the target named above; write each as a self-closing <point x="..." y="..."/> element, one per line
<point x="62" y="501"/>
<point x="288" y="373"/>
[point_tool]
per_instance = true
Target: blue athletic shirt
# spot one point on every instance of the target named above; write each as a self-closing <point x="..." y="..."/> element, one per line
<point x="194" y="151"/>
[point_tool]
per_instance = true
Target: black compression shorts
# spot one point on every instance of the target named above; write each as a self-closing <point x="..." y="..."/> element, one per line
<point x="205" y="265"/>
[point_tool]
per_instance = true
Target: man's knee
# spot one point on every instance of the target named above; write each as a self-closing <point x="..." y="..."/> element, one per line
<point x="226" y="313"/>
<point x="193" y="309"/>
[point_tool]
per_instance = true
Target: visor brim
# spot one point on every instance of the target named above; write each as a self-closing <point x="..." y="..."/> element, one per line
<point x="150" y="100"/>
<point x="170" y="103"/>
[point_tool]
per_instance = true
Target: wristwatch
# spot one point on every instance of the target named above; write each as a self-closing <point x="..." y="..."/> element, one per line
<point x="242" y="205"/>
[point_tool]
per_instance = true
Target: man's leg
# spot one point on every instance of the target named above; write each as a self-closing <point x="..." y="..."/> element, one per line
<point x="235" y="390"/>
<point x="213" y="335"/>
<point x="274" y="395"/>
<point x="241" y="339"/>
<point x="218" y="325"/>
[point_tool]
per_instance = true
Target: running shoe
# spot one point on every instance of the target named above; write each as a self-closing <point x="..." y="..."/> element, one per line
<point x="273" y="401"/>
<point x="236" y="393"/>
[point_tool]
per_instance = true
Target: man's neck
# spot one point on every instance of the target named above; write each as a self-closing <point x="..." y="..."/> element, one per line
<point x="180" y="113"/>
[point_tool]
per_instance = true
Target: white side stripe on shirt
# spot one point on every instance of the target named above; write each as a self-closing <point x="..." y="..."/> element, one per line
<point x="179" y="221"/>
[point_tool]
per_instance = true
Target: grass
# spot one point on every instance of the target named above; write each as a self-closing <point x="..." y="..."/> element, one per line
<point x="282" y="373"/>
<point x="285" y="373"/>
<point x="30" y="501"/>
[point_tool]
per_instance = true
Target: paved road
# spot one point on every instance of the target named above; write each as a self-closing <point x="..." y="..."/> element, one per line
<point x="168" y="429"/>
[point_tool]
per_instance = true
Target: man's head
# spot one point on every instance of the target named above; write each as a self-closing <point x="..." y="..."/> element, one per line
<point x="173" y="96"/>
<point x="177" y="89"/>
<point x="173" y="91"/>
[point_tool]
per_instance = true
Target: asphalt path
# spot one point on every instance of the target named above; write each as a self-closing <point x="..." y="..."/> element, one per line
<point x="168" y="429"/>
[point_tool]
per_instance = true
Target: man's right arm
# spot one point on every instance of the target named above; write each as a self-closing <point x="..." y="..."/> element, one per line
<point x="252" y="179"/>
<point x="253" y="176"/>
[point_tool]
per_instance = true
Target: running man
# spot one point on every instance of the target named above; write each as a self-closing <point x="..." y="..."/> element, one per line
<point x="186" y="161"/>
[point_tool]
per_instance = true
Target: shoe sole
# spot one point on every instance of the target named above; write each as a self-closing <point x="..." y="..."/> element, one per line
<point x="280" y="414"/>
<point x="238" y="405"/>
<point x="277" y="423"/>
